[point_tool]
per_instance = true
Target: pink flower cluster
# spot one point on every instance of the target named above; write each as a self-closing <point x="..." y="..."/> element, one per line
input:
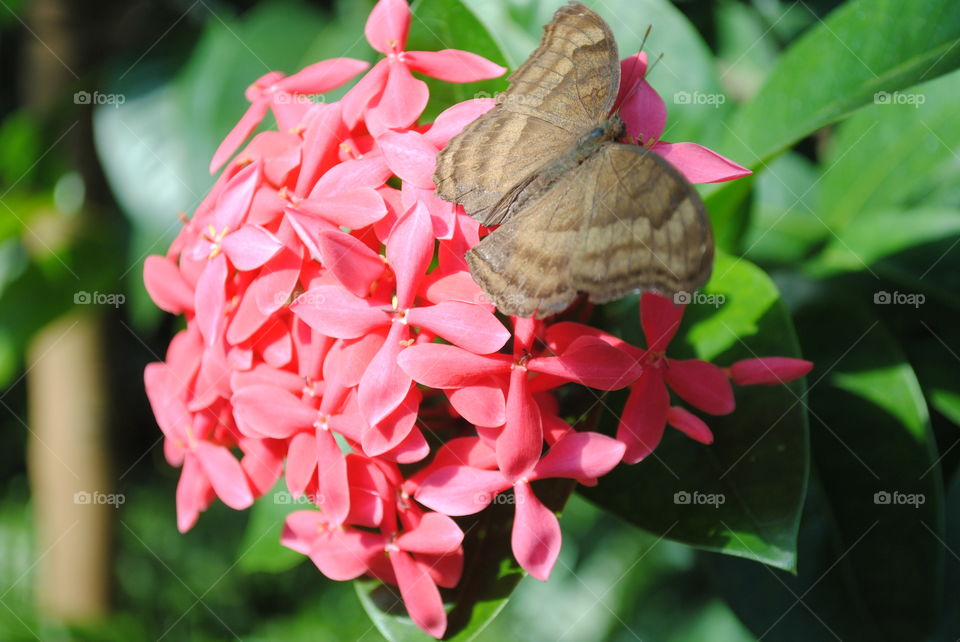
<point x="316" y="294"/>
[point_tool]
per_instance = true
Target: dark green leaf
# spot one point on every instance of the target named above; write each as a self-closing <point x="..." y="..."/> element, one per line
<point x="758" y="463"/>
<point x="870" y="568"/>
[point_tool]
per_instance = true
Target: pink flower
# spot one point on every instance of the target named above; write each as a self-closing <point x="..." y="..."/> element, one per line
<point x="389" y="97"/>
<point x="645" y="114"/>
<point x="464" y="490"/>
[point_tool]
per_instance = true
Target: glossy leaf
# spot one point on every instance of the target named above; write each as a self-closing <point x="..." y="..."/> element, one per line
<point x="758" y="463"/>
<point x="878" y="482"/>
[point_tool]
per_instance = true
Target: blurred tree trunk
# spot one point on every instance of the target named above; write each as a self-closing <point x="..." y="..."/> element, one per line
<point x="69" y="468"/>
<point x="68" y="446"/>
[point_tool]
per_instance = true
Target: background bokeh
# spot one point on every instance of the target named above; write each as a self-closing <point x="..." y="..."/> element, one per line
<point x="109" y="114"/>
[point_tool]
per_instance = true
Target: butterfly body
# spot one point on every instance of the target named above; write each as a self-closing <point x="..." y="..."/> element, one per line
<point x="578" y="210"/>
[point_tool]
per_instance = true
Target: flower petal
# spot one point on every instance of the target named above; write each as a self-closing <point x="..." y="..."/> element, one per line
<point x="591" y="362"/>
<point x="354" y="264"/>
<point x="453" y="65"/>
<point x="452" y="120"/>
<point x="401" y="103"/>
<point x="701" y="384"/>
<point x="411" y="156"/>
<point x="481" y="404"/>
<point x="536" y="534"/>
<point x="690" y="425"/>
<point x="244" y="127"/>
<point x="332" y="477"/>
<point x="444" y="366"/>
<point x="268" y="411"/>
<point x="166" y="285"/>
<point x="521" y="442"/>
<point x="225" y="475"/>
<point x="768" y="371"/>
<point x="410" y="250"/>
<point x="209" y="300"/>
<point x="321" y="77"/>
<point x="466" y="325"/>
<point x="250" y="247"/>
<point x="301" y="463"/>
<point x="336" y="313"/>
<point x="580" y="455"/>
<point x="384" y="385"/>
<point x="388" y="25"/>
<point x="644" y="416"/>
<point x="420" y="594"/>
<point x="436" y="534"/>
<point x="660" y="319"/>
<point x="644" y="113"/>
<point x="699" y="164"/>
<point x="460" y="490"/>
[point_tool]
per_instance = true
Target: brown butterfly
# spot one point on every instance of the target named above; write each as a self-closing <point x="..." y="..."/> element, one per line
<point x="578" y="210"/>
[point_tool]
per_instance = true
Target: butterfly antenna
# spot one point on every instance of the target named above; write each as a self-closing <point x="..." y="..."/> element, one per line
<point x="654" y="63"/>
<point x="646" y="34"/>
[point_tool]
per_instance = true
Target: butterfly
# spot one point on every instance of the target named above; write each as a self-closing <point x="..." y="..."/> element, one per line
<point x="578" y="210"/>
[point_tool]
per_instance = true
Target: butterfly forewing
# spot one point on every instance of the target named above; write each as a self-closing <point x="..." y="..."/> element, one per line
<point x="580" y="212"/>
<point x="562" y="91"/>
<point x="572" y="78"/>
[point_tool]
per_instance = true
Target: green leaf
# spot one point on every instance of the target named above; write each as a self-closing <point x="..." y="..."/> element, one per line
<point x="949" y="629"/>
<point x="783" y="216"/>
<point x="893" y="156"/>
<point x="746" y="51"/>
<point x="864" y="47"/>
<point x="448" y="24"/>
<point x="260" y="548"/>
<point x="758" y="462"/>
<point x="875" y="238"/>
<point x="878" y="483"/>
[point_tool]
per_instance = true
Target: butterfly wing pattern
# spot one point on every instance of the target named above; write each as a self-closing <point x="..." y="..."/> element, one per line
<point x="578" y="211"/>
